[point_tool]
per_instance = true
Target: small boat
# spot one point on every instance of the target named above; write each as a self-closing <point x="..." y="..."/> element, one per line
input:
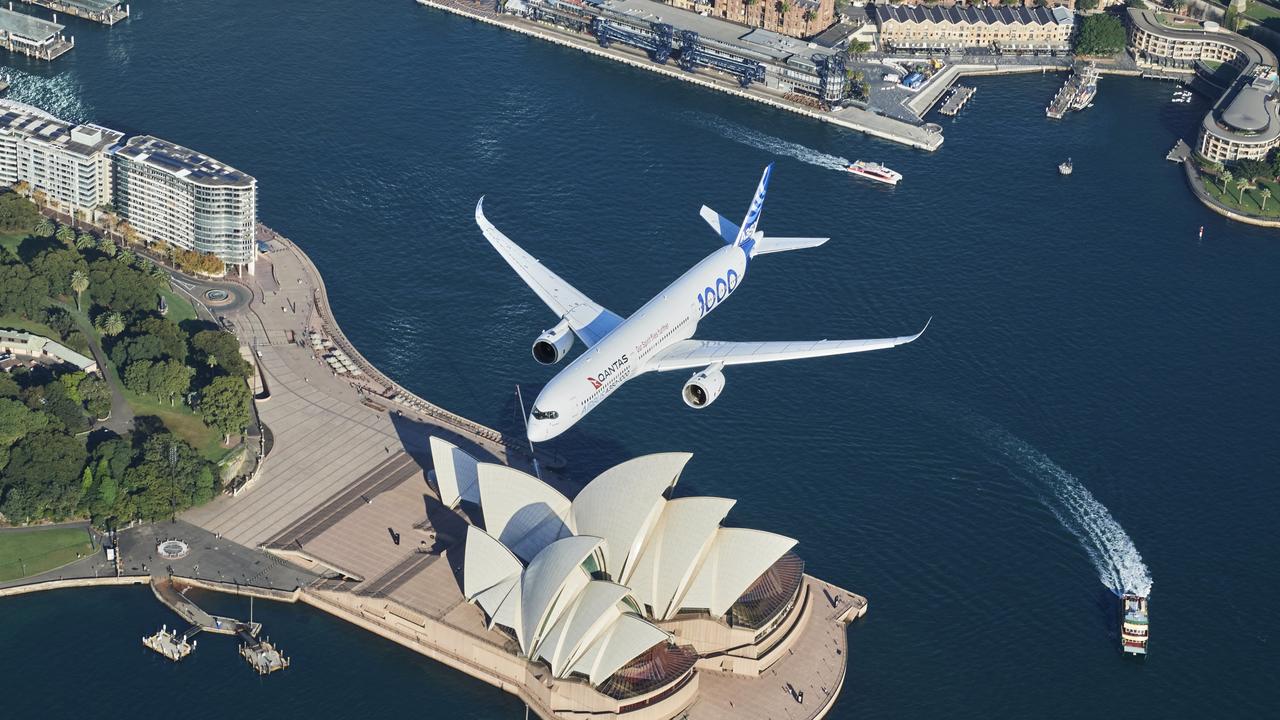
<point x="1133" y="624"/>
<point x="874" y="171"/>
<point x="1066" y="167"/>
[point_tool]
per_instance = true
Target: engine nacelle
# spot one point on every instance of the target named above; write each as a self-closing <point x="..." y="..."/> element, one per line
<point x="552" y="345"/>
<point x="704" y="387"/>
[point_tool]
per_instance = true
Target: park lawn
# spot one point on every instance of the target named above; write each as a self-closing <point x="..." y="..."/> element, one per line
<point x="11" y="241"/>
<point x="17" y="322"/>
<point x="180" y="308"/>
<point x="1252" y="201"/>
<point x="30" y="552"/>
<point x="183" y="422"/>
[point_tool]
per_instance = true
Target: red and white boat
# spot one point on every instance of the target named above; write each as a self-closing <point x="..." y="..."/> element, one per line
<point x="875" y="171"/>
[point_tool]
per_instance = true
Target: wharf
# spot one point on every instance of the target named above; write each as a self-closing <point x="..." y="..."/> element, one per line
<point x="956" y="100"/>
<point x="107" y="12"/>
<point x="851" y="118"/>
<point x="33" y="37"/>
<point x="1075" y="94"/>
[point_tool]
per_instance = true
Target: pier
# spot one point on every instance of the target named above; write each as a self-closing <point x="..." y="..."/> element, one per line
<point x="31" y="36"/>
<point x="107" y="12"/>
<point x="263" y="656"/>
<point x="1076" y="93"/>
<point x="956" y="100"/>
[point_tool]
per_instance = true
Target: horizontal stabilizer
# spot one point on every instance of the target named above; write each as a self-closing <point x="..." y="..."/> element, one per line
<point x="726" y="228"/>
<point x="782" y="244"/>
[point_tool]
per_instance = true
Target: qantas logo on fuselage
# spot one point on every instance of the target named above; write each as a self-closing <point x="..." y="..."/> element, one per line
<point x="599" y="380"/>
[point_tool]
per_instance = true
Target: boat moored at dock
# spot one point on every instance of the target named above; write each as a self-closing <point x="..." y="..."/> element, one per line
<point x="1133" y="624"/>
<point x="875" y="171"/>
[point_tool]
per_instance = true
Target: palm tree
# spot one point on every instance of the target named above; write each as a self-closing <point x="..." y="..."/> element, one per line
<point x="66" y="235"/>
<point x="1225" y="176"/>
<point x="106" y="247"/>
<point x="79" y="283"/>
<point x="1266" y="195"/>
<point x="84" y="241"/>
<point x="110" y="323"/>
<point x="45" y="227"/>
<point x="1241" y="184"/>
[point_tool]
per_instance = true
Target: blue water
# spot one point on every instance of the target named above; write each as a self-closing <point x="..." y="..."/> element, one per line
<point x="1084" y="341"/>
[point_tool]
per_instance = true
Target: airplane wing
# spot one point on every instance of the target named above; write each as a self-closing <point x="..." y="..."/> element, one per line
<point x="590" y="320"/>
<point x="688" y="354"/>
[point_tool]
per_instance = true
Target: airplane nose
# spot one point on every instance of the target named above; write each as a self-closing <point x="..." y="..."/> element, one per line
<point x="538" y="430"/>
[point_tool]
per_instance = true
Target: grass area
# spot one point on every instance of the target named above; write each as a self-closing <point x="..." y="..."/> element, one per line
<point x="183" y="422"/>
<point x="30" y="552"/>
<point x="1252" y="203"/>
<point x="180" y="308"/>
<point x="17" y="322"/>
<point x="11" y="241"/>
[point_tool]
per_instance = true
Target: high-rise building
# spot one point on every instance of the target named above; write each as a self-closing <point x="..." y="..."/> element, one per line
<point x="69" y="163"/>
<point x="174" y="194"/>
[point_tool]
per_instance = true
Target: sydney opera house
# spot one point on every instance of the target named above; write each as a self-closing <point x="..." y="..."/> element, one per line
<point x="626" y="592"/>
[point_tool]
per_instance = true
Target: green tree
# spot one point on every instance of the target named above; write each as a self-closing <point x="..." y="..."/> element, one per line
<point x="105" y="246"/>
<point x="224" y="405"/>
<point x="137" y="377"/>
<point x="1265" y="193"/>
<point x="95" y="395"/>
<point x="56" y="266"/>
<point x="1241" y="184"/>
<point x="1231" y="18"/>
<point x="1100" y="34"/>
<point x="66" y="235"/>
<point x="84" y="241"/>
<point x="17" y="420"/>
<point x="1083" y="5"/>
<point x="1179" y="6"/>
<point x="79" y="283"/>
<point x="216" y="348"/>
<point x="1253" y="169"/>
<point x="1225" y="176"/>
<point x="858" y="48"/>
<point x="45" y="227"/>
<point x="42" y="479"/>
<point x="110" y="324"/>
<point x="170" y="380"/>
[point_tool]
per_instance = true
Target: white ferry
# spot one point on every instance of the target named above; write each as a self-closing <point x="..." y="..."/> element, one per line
<point x="875" y="171"/>
<point x="1133" y="624"/>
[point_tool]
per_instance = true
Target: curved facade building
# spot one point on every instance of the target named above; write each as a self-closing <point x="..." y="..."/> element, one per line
<point x="1244" y="123"/>
<point x="623" y="593"/>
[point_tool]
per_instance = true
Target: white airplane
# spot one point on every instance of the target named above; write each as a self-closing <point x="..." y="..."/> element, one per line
<point x="658" y="336"/>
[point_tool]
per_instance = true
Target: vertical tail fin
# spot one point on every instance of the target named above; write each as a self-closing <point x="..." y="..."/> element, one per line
<point x="748" y="229"/>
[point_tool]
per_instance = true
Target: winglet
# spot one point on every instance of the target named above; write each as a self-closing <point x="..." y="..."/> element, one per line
<point x="480" y="210"/>
<point x="926" y="327"/>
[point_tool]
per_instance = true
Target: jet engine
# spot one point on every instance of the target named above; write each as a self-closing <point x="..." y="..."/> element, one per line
<point x="704" y="387"/>
<point x="552" y="345"/>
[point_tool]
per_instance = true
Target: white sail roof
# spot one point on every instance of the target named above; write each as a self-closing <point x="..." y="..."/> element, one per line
<point x="486" y="563"/>
<point x="736" y="558"/>
<point x="550" y="583"/>
<point x="625" y="640"/>
<point x="674" y="549"/>
<point x="594" y="610"/>
<point x="623" y="504"/>
<point x="455" y="473"/>
<point x="521" y="511"/>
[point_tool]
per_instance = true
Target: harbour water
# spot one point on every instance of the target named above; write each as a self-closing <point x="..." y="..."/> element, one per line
<point x="1083" y="339"/>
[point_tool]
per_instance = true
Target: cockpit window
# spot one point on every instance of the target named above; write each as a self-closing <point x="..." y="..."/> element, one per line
<point x="545" y="415"/>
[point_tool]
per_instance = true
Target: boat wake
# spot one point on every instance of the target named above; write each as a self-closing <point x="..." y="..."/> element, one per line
<point x="769" y="143"/>
<point x="1111" y="550"/>
<point x="58" y="95"/>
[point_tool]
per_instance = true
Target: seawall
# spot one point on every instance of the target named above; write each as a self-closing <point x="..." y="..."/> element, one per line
<point x="854" y="119"/>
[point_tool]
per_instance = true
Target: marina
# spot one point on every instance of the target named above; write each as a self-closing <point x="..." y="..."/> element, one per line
<point x="955" y="102"/>
<point x="1076" y="94"/>
<point x="264" y="657"/>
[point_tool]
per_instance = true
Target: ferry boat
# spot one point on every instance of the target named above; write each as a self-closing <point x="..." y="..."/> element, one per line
<point x="1084" y="98"/>
<point x="1133" y="624"/>
<point x="875" y="171"/>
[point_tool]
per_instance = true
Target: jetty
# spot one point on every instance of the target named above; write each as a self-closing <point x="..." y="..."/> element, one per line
<point x="264" y="657"/>
<point x="956" y="100"/>
<point x="107" y="12"/>
<point x="31" y="36"/>
<point x="1075" y="94"/>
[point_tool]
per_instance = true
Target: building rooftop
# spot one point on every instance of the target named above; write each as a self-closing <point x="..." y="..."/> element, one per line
<point x="1248" y="110"/>
<point x="756" y="44"/>
<point x="39" y="126"/>
<point x="32" y="344"/>
<point x="1149" y="21"/>
<point x="970" y="15"/>
<point x="183" y="162"/>
<point x="28" y="27"/>
<point x="92" y="5"/>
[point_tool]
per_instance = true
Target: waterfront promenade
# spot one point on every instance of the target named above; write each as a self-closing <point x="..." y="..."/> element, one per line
<point x="851" y="118"/>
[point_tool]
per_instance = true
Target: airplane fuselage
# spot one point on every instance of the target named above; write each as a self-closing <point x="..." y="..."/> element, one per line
<point x="623" y="354"/>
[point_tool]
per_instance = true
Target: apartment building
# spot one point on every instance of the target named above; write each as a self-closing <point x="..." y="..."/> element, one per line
<point x="70" y="164"/>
